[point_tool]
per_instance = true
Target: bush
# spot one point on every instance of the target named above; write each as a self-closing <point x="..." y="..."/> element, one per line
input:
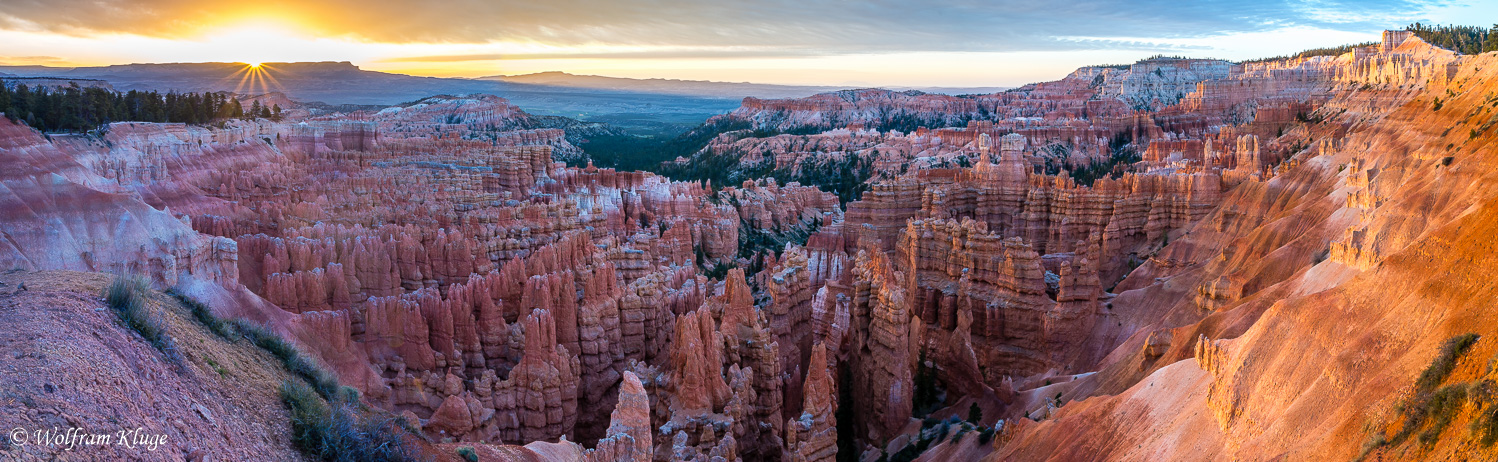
<point x="974" y="413"/>
<point x="957" y="436"/>
<point x="985" y="435"/>
<point x="1485" y="423"/>
<point x="1438" y="407"/>
<point x="1445" y="362"/>
<point x="127" y="296"/>
<point x="339" y="431"/>
<point x="292" y="358"/>
<point x="1442" y="408"/>
<point x="205" y="316"/>
<point x="467" y="453"/>
<point x="309" y="416"/>
<point x="124" y="290"/>
<point x="941" y="432"/>
<point x="909" y="453"/>
<point x="1375" y="441"/>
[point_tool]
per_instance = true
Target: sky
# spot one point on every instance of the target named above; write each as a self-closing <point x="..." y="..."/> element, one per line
<point x="952" y="43"/>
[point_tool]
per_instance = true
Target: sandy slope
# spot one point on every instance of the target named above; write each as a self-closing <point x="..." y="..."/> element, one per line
<point x="66" y="361"/>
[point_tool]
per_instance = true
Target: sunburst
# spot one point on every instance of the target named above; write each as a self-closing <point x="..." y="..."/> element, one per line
<point x="255" y="79"/>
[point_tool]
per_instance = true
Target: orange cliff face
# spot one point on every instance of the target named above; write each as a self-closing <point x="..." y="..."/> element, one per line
<point x="1319" y="296"/>
<point x="1294" y="243"/>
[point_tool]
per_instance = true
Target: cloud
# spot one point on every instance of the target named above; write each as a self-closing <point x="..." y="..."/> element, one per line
<point x="769" y="27"/>
<point x="31" y="60"/>
<point x="652" y="54"/>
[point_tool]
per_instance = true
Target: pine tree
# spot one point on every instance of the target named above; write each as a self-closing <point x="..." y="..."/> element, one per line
<point x="1492" y="43"/>
<point x="5" y="102"/>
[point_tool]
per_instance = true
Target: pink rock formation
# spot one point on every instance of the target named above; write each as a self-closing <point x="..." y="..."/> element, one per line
<point x="815" y="433"/>
<point x="629" y="426"/>
<point x="697" y="384"/>
<point x="883" y="375"/>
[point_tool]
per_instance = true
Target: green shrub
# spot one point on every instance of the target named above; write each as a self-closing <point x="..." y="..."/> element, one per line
<point x="216" y="367"/>
<point x="467" y="453"/>
<point x="1445" y="362"/>
<point x="124" y="290"/>
<point x="1375" y="441"/>
<point x="906" y="454"/>
<point x="986" y="435"/>
<point x="292" y="358"/>
<point x="340" y="431"/>
<point x="956" y="437"/>
<point x="204" y="315"/>
<point x="1429" y="405"/>
<point x="1485" y="425"/>
<point x="309" y="416"/>
<point x="974" y="413"/>
<point x="127" y="296"/>
<point x="941" y="432"/>
<point x="1442" y="408"/>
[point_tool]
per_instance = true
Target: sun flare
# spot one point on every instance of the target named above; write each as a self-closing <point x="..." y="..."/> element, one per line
<point x="257" y="43"/>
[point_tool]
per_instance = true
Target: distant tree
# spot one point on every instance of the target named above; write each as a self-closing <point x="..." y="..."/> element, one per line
<point x="1491" y="44"/>
<point x="5" y="101"/>
<point x="276" y="113"/>
<point x="255" y="109"/>
<point x="1467" y="40"/>
<point x="76" y="108"/>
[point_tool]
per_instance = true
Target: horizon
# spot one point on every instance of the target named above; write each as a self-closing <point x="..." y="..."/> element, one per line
<point x="997" y="45"/>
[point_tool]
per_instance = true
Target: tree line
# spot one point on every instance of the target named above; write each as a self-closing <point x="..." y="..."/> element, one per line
<point x="74" y="108"/>
<point x="1467" y="40"/>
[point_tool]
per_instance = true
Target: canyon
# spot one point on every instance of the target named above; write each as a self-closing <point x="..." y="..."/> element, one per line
<point x="1181" y="259"/>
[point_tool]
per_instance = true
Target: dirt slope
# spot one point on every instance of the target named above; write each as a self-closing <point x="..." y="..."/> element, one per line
<point x="67" y="362"/>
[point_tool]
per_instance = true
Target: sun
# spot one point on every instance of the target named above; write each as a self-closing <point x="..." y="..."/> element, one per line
<point x="256" y="43"/>
<point x="254" y="78"/>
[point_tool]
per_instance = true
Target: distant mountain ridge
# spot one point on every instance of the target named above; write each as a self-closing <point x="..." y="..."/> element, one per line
<point x="699" y="88"/>
<point x="704" y="88"/>
<point x="649" y="104"/>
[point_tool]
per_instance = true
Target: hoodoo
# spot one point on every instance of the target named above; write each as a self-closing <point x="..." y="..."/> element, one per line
<point x="1176" y="259"/>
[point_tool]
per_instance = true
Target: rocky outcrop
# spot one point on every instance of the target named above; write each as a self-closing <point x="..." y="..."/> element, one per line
<point x="882" y="361"/>
<point x="1052" y="214"/>
<point x="697" y="384"/>
<point x="629" y="426"/>
<point x="61" y="214"/>
<point x="814" y="435"/>
<point x="541" y="392"/>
